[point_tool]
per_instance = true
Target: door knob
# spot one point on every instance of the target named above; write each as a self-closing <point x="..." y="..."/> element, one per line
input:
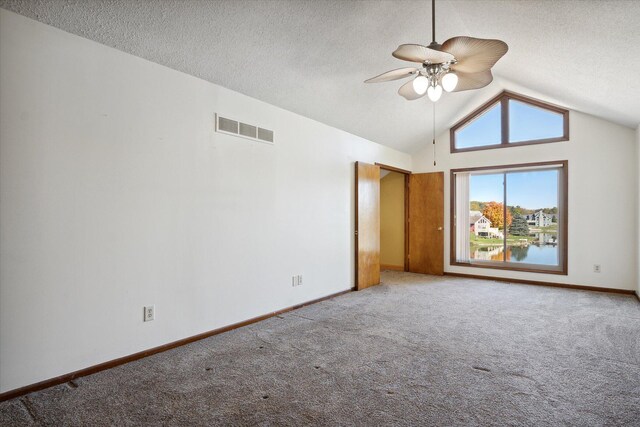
<point x="439" y="228"/>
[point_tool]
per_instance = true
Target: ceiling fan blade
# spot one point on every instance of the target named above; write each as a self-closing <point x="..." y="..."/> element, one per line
<point x="419" y="53"/>
<point x="468" y="81"/>
<point x="475" y="55"/>
<point x="400" y="73"/>
<point x="407" y="92"/>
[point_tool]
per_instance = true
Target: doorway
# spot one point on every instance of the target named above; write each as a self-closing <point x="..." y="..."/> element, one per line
<point x="423" y="231"/>
<point x="393" y="218"/>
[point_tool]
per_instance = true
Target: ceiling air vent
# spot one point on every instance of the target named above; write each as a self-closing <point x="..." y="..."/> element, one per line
<point x="243" y="130"/>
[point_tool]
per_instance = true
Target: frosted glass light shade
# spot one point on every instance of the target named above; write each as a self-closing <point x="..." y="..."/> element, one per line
<point x="434" y="93"/>
<point x="420" y="84"/>
<point x="449" y="81"/>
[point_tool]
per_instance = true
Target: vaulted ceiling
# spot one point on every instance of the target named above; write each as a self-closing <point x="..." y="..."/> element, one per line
<point x="311" y="57"/>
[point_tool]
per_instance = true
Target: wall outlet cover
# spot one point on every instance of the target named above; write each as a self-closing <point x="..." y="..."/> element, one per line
<point x="149" y="313"/>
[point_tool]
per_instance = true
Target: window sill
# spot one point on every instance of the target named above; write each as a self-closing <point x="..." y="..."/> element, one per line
<point x="528" y="268"/>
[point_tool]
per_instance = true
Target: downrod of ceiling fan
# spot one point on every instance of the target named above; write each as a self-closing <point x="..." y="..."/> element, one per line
<point x="433" y="21"/>
<point x="434" y="45"/>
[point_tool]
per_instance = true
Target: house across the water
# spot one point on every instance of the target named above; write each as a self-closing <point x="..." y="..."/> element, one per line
<point x="481" y="226"/>
<point x="540" y="219"/>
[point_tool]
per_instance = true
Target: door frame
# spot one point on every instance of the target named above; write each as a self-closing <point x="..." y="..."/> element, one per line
<point x="406" y="174"/>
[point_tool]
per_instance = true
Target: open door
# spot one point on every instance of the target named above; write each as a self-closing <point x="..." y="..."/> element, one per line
<point x="367" y="227"/>
<point x="426" y="222"/>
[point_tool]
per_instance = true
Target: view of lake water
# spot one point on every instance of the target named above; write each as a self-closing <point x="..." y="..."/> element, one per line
<point x="531" y="254"/>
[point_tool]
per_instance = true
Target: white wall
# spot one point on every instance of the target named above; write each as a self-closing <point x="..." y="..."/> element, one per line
<point x="638" y="205"/>
<point x="116" y="193"/>
<point x="602" y="192"/>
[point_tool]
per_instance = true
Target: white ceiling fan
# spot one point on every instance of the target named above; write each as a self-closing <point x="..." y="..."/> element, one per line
<point x="460" y="63"/>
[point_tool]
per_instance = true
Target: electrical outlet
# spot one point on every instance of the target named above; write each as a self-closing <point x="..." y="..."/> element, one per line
<point x="149" y="313"/>
<point x="596" y="268"/>
<point x="300" y="280"/>
<point x="294" y="281"/>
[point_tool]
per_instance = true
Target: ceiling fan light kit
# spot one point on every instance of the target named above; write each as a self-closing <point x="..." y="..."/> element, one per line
<point x="460" y="63"/>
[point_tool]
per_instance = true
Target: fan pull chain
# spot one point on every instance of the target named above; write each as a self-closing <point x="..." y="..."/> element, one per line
<point x="434" y="134"/>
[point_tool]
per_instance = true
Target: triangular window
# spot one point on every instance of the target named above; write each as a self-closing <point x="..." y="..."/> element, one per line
<point x="531" y="123"/>
<point x="508" y="120"/>
<point x="482" y="131"/>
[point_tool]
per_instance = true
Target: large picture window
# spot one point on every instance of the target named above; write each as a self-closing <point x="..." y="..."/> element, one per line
<point x="510" y="217"/>
<point x="510" y="120"/>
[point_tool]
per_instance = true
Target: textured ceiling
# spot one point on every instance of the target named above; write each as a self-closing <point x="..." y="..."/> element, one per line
<point x="311" y="57"/>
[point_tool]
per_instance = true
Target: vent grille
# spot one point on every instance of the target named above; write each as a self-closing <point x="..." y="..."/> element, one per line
<point x="227" y="125"/>
<point x="248" y="130"/>
<point x="265" y="135"/>
<point x="244" y="130"/>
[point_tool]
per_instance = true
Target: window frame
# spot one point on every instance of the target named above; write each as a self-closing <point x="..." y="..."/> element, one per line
<point x="503" y="98"/>
<point x="563" y="230"/>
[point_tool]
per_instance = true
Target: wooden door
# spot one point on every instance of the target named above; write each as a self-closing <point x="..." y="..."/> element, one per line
<point x="426" y="223"/>
<point x="367" y="227"/>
